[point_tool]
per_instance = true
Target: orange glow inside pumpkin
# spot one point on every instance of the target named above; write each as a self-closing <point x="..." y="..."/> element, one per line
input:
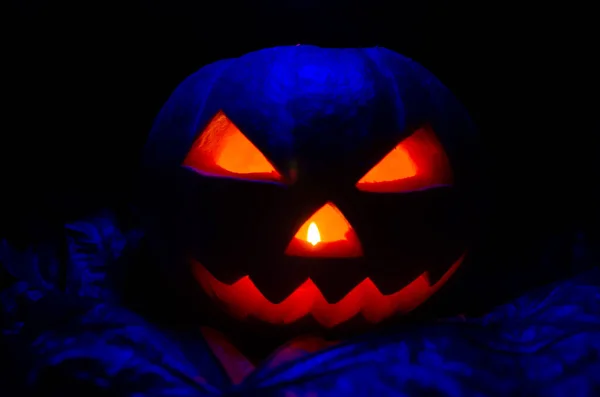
<point x="418" y="162"/>
<point x="223" y="150"/>
<point x="326" y="233"/>
<point x="243" y="299"/>
<point x="396" y="165"/>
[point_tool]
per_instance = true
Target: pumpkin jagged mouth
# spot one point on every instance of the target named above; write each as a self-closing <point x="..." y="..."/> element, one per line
<point x="243" y="299"/>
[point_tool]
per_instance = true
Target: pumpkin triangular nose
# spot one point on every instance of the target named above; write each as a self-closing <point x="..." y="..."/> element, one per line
<point x="326" y="234"/>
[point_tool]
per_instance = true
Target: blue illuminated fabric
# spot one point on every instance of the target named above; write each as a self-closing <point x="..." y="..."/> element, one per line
<point x="78" y="341"/>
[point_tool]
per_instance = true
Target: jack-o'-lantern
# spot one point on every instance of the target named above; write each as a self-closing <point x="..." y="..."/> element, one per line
<point x="304" y="182"/>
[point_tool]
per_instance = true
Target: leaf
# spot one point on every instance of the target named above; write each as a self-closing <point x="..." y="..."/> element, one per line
<point x="94" y="245"/>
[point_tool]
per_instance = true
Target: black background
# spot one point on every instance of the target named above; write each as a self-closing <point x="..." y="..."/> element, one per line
<point x="83" y="83"/>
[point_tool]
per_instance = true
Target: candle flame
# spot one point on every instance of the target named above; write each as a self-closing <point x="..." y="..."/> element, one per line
<point x="313" y="236"/>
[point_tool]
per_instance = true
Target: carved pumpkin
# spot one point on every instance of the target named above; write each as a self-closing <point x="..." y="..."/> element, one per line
<point x="302" y="182"/>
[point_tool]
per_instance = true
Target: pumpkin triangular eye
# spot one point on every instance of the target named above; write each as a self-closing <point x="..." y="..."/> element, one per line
<point x="418" y="162"/>
<point x="222" y="150"/>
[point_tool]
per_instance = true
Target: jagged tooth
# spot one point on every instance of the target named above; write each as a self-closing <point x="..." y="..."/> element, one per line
<point x="229" y="276"/>
<point x="276" y="284"/>
<point x="225" y="274"/>
<point x="336" y="278"/>
<point x="227" y="267"/>
<point x="437" y="272"/>
<point x="390" y="281"/>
